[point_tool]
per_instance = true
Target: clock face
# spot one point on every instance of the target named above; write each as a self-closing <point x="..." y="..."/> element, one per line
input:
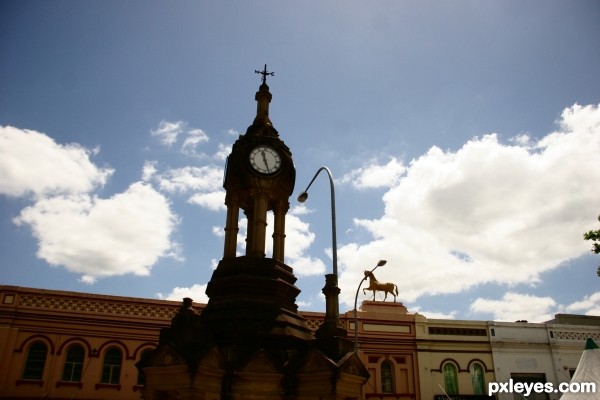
<point x="265" y="159"/>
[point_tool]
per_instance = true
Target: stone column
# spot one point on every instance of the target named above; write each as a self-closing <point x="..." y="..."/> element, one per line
<point x="279" y="230"/>
<point x="231" y="229"/>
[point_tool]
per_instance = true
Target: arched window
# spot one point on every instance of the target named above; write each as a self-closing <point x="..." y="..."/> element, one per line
<point x="145" y="354"/>
<point x="450" y="378"/>
<point x="111" y="368"/>
<point x="387" y="377"/>
<point x="477" y="378"/>
<point x="36" y="359"/>
<point x="73" y="364"/>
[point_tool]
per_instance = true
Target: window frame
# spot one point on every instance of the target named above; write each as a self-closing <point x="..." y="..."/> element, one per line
<point x="33" y="369"/>
<point x="477" y="381"/>
<point x="73" y="365"/>
<point x="111" y="371"/>
<point x="450" y="382"/>
<point x="387" y="378"/>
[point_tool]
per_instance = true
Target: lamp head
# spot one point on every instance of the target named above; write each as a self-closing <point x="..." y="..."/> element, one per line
<point x="303" y="196"/>
<point x="381" y="263"/>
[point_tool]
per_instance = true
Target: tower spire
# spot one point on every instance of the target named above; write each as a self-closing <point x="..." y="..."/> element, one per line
<point x="263" y="98"/>
<point x="264" y="74"/>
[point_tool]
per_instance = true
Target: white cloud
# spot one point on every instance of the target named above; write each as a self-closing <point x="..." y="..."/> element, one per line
<point x="301" y="209"/>
<point x="516" y="306"/>
<point x="207" y="178"/>
<point x="303" y="305"/>
<point x="194" y="138"/>
<point x="218" y="231"/>
<point x="167" y="132"/>
<point x="33" y="163"/>
<point x="125" y="234"/>
<point x="195" y="292"/>
<point x="214" y="201"/>
<point x="433" y="314"/>
<point x="149" y="171"/>
<point x="521" y="139"/>
<point x="589" y="305"/>
<point x="297" y="243"/>
<point x="203" y="184"/>
<point x="489" y="212"/>
<point x="223" y="152"/>
<point x="94" y="237"/>
<point x="307" y="266"/>
<point x="373" y="175"/>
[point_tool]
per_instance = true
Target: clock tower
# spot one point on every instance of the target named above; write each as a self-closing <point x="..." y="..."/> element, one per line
<point x="259" y="178"/>
<point x="250" y="342"/>
<point x="252" y="296"/>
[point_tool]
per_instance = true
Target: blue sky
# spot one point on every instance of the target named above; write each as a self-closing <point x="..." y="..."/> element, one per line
<point x="464" y="138"/>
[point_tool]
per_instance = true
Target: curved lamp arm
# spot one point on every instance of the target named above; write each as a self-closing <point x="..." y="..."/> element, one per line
<point x="302" y="198"/>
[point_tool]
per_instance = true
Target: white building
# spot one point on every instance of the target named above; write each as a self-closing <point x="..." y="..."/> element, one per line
<point x="540" y="352"/>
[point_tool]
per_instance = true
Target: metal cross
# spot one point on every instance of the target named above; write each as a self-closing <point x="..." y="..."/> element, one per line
<point x="264" y="74"/>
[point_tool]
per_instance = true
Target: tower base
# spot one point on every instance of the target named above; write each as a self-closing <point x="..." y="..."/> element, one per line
<point x="250" y="343"/>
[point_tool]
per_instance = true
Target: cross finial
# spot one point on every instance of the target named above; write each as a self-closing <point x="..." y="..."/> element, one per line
<point x="264" y="74"/>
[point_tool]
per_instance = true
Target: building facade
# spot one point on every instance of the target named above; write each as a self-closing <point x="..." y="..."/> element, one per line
<point x="386" y="344"/>
<point x="547" y="352"/>
<point x="454" y="357"/>
<point x="65" y="345"/>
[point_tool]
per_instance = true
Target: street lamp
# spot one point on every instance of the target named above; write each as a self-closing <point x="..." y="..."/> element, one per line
<point x="331" y="326"/>
<point x="302" y="198"/>
<point x="380" y="263"/>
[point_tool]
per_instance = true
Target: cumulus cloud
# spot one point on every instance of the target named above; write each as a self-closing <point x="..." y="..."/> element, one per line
<point x="223" y="152"/>
<point x="194" y="138"/>
<point x="516" y="306"/>
<point x="202" y="185"/>
<point x="33" y="163"/>
<point x="214" y="201"/>
<point x="195" y="292"/>
<point x="96" y="238"/>
<point x="167" y="132"/>
<point x="207" y="178"/>
<point x="373" y="175"/>
<point x="488" y="212"/>
<point x="434" y="314"/>
<point x="589" y="305"/>
<point x="149" y="170"/>
<point x="90" y="236"/>
<point x="297" y="244"/>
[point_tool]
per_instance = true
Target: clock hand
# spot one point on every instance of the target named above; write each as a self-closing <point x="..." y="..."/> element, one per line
<point x="266" y="162"/>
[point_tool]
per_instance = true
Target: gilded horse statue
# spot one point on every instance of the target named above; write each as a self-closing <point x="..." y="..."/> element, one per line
<point x="377" y="286"/>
